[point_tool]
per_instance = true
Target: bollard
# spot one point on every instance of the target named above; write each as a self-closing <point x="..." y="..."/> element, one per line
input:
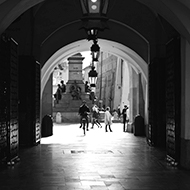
<point x="47" y="126"/>
<point x="58" y="118"/>
<point x="139" y="125"/>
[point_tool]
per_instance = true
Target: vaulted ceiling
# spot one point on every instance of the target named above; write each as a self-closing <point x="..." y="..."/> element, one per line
<point x="176" y="12"/>
<point x="43" y="27"/>
<point x="134" y="23"/>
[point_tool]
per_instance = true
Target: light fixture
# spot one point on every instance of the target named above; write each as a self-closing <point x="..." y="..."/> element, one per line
<point x="92" y="76"/>
<point x="95" y="49"/>
<point x="98" y="7"/>
<point x="94" y="17"/>
<point x="92" y="34"/>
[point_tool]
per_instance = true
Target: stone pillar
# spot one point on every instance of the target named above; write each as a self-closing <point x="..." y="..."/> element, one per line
<point x="75" y="72"/>
<point x="140" y="96"/>
<point x="185" y="105"/>
<point x="118" y="85"/>
<point x="134" y="93"/>
<point x="47" y="98"/>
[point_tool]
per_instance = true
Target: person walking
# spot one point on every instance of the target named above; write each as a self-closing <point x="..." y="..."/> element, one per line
<point x="84" y="112"/>
<point x="63" y="86"/>
<point x="108" y="119"/>
<point x="57" y="95"/>
<point x="118" y="111"/>
<point x="95" y="116"/>
<point x="124" y="114"/>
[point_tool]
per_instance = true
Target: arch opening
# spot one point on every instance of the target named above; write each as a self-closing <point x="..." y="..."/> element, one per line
<point x="108" y="46"/>
<point x="122" y="52"/>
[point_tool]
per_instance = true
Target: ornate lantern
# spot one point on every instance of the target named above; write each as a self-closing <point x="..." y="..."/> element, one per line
<point x="94" y="17"/>
<point x="95" y="50"/>
<point x="92" y="75"/>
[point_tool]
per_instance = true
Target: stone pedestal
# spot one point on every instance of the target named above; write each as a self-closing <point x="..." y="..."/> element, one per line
<point x="75" y="73"/>
<point x="69" y="107"/>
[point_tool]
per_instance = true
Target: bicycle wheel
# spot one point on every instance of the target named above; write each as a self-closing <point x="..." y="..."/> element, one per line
<point x="84" y="126"/>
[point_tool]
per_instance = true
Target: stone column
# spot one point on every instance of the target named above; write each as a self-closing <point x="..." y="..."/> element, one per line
<point x="185" y="105"/>
<point x="47" y="98"/>
<point x="75" y="72"/>
<point x="134" y="93"/>
<point x="140" y="96"/>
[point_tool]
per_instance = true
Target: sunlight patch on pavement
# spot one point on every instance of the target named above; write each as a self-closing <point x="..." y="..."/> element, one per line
<point x="70" y="133"/>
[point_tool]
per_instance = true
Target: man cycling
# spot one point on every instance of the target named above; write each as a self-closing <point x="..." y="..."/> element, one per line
<point x="84" y="111"/>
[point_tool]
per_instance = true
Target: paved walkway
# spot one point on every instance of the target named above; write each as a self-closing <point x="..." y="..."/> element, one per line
<point x="99" y="161"/>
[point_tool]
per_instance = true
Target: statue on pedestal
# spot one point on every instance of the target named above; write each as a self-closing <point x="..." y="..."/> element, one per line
<point x="75" y="91"/>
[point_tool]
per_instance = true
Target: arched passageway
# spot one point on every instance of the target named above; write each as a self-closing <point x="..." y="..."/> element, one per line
<point x="159" y="22"/>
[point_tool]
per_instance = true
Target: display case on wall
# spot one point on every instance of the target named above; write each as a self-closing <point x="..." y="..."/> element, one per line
<point x="173" y="103"/>
<point x="9" y="139"/>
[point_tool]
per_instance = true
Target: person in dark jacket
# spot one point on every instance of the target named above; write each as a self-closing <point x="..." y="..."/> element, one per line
<point x="57" y="95"/>
<point x="125" y="119"/>
<point x="84" y="112"/>
<point x="63" y="86"/>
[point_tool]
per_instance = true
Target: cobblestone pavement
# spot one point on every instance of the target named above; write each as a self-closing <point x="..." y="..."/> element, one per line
<point x="98" y="161"/>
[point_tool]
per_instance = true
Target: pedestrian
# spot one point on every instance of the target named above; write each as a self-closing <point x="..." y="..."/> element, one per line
<point x="58" y="95"/>
<point x="125" y="118"/>
<point x="108" y="119"/>
<point x="87" y="87"/>
<point x="95" y="116"/>
<point x="118" y="111"/>
<point x="84" y="112"/>
<point x="63" y="86"/>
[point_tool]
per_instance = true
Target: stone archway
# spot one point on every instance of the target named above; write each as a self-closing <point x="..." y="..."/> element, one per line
<point x="136" y="62"/>
<point x="115" y="48"/>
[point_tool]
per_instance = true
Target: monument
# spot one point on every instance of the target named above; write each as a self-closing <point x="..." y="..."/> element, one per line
<point x="75" y="92"/>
